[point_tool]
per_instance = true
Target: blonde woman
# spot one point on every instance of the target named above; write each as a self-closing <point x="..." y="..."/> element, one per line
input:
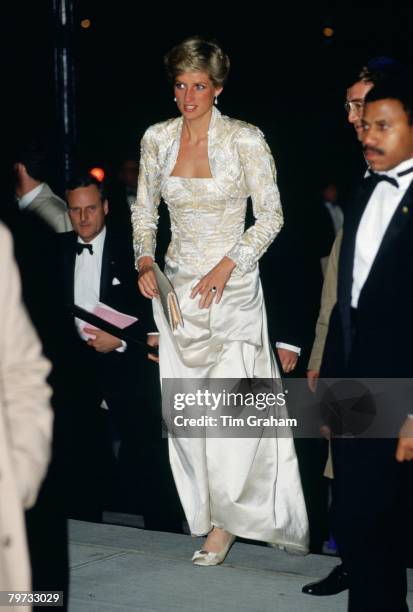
<point x="205" y="166"/>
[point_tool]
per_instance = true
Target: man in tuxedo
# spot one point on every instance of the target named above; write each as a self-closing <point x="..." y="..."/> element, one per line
<point x="98" y="266"/>
<point x="354" y="103"/>
<point x="33" y="193"/>
<point x="376" y="70"/>
<point x="370" y="336"/>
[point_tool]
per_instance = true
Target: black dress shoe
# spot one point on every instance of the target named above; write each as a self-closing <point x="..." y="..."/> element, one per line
<point x="334" y="583"/>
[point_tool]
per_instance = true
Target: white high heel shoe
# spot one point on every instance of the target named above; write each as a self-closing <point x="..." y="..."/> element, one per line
<point x="203" y="557"/>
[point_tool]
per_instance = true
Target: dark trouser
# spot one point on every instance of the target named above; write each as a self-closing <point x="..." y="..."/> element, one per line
<point x="145" y="481"/>
<point x="139" y="480"/>
<point x="90" y="461"/>
<point x="312" y="456"/>
<point x="48" y="545"/>
<point x="370" y="512"/>
<point x="46" y="522"/>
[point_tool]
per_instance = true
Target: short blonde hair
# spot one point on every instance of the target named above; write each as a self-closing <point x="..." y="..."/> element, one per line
<point x="196" y="54"/>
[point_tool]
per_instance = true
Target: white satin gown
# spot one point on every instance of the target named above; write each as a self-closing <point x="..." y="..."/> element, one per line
<point x="249" y="487"/>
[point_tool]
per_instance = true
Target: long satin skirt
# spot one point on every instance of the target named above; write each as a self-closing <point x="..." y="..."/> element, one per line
<point x="250" y="487"/>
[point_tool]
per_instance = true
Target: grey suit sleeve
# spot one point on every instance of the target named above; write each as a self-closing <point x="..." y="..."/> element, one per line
<point x="57" y="216"/>
<point x="64" y="223"/>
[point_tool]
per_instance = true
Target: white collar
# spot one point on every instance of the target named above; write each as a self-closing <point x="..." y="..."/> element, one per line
<point x="28" y="197"/>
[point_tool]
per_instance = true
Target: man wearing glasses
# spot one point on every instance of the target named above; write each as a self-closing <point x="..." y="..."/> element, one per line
<point x="375" y="71"/>
<point x="354" y="103"/>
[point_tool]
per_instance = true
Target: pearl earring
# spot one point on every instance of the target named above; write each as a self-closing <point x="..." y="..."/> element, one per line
<point x="174" y="99"/>
<point x="216" y="101"/>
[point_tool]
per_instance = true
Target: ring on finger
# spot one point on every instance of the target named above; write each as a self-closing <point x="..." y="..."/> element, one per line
<point x="213" y="289"/>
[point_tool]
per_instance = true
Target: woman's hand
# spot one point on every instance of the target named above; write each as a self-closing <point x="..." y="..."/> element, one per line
<point x="147" y="280"/>
<point x="212" y="285"/>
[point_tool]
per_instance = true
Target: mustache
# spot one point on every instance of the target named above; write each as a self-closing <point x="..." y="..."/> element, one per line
<point x="368" y="149"/>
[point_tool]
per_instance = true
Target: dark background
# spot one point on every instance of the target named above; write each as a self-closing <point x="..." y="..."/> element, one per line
<point x="287" y="77"/>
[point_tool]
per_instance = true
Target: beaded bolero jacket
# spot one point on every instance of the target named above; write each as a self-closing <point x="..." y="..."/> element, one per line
<point x="241" y="165"/>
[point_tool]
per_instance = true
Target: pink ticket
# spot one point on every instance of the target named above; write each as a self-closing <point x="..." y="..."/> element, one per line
<point x="114" y="317"/>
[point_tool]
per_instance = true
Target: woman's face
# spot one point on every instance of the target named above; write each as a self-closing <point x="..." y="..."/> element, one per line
<point x="195" y="93"/>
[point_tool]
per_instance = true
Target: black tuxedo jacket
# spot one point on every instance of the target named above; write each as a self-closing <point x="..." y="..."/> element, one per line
<point x="117" y="263"/>
<point x="383" y="342"/>
<point x="291" y="278"/>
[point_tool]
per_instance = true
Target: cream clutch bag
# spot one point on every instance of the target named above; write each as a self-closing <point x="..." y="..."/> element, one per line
<point x="169" y="300"/>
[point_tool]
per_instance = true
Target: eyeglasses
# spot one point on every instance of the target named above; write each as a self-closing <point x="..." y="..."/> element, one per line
<point x="354" y="106"/>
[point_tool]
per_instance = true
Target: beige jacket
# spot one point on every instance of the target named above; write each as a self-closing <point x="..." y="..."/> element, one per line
<point x="328" y="300"/>
<point x="25" y="423"/>
<point x="51" y="209"/>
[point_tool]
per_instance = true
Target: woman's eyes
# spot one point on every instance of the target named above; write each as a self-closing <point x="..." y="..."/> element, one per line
<point x="198" y="87"/>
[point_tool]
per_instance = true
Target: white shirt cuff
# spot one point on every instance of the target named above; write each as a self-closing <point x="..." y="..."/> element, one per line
<point x="289" y="347"/>
<point x="122" y="349"/>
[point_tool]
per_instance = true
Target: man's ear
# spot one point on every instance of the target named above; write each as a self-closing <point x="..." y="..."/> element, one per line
<point x="20" y="169"/>
<point x="105" y="207"/>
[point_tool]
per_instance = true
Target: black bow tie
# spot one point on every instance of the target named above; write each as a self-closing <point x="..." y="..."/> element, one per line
<point x="378" y="178"/>
<point x="80" y="247"/>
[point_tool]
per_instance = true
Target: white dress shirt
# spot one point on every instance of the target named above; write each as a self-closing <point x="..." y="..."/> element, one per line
<point x="28" y="197"/>
<point x="88" y="269"/>
<point x="374" y="222"/>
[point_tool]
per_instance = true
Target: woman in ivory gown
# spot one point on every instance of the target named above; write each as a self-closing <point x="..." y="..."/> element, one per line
<point x="205" y="166"/>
